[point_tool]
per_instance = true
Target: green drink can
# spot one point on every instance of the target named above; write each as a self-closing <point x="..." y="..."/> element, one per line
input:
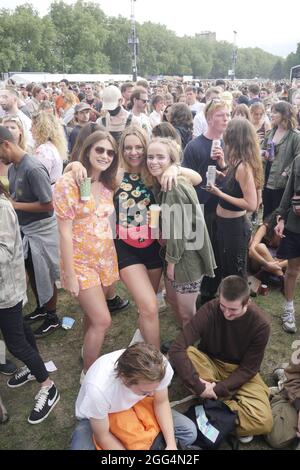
<point x="85" y="189"/>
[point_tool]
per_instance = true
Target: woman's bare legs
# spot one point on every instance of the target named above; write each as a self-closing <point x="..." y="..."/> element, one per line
<point x="96" y="323"/>
<point x="141" y="284"/>
<point x="184" y="305"/>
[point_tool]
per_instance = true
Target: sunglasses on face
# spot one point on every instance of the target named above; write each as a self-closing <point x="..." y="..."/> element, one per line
<point x="144" y="101"/>
<point x="101" y="150"/>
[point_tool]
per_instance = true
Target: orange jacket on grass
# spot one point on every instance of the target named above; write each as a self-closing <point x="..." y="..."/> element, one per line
<point x="135" y="428"/>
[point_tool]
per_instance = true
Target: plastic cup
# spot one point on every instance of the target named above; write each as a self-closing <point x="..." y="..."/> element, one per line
<point x="85" y="189"/>
<point x="154" y="215"/>
<point x="211" y="175"/>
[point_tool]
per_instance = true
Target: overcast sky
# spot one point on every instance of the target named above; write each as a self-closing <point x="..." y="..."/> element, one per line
<point x="259" y="23"/>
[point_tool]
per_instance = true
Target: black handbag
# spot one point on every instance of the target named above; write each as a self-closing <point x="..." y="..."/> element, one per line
<point x="221" y="417"/>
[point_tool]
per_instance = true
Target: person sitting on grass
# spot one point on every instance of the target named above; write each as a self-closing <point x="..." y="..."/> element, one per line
<point x="233" y="335"/>
<point x="285" y="407"/>
<point x="263" y="249"/>
<point x="123" y="404"/>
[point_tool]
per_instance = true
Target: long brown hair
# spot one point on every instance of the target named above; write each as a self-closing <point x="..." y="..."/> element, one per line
<point x="107" y="177"/>
<point x="83" y="134"/>
<point x="287" y="112"/>
<point x="241" y="144"/>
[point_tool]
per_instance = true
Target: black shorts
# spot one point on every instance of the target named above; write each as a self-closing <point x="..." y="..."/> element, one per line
<point x="289" y="247"/>
<point x="128" y="255"/>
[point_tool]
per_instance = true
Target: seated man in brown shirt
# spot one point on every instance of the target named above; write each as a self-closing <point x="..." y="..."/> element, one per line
<point x="231" y="336"/>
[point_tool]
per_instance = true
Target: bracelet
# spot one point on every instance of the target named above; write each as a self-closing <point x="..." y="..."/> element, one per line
<point x="224" y="168"/>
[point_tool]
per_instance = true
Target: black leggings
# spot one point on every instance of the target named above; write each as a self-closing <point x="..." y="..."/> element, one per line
<point x="20" y="341"/>
<point x="233" y="239"/>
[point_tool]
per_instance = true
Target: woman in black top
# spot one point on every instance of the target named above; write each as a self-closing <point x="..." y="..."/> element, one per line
<point x="238" y="195"/>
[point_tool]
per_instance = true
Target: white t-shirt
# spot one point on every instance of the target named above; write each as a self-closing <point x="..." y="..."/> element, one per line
<point x="102" y="392"/>
<point x="143" y="121"/>
<point x="197" y="107"/>
<point x="155" y="118"/>
<point x="199" y="124"/>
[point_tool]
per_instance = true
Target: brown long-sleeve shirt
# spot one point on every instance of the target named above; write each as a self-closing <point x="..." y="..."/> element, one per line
<point x="241" y="341"/>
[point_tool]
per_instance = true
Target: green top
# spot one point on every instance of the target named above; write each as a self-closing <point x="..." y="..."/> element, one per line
<point x="285" y="210"/>
<point x="285" y="152"/>
<point x="183" y="227"/>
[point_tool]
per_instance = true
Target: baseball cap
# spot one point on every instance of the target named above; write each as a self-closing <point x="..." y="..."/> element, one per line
<point x="111" y="96"/>
<point x="81" y="107"/>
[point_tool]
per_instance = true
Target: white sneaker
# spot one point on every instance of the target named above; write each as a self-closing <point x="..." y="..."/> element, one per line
<point x="137" y="338"/>
<point x="245" y="439"/>
<point x="288" y="322"/>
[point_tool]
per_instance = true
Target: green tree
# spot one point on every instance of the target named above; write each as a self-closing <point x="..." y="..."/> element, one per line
<point x="116" y="45"/>
<point x="278" y="71"/>
<point x="81" y="34"/>
<point x="292" y="59"/>
<point x="222" y="59"/>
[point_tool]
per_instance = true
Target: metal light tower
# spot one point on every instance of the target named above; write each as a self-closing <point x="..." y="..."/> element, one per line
<point x="234" y="55"/>
<point x="133" y="41"/>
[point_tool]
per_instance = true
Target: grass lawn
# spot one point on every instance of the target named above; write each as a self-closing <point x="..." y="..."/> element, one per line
<point x="63" y="347"/>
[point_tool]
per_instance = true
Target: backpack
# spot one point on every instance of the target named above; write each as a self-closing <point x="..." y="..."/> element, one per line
<point x="218" y="423"/>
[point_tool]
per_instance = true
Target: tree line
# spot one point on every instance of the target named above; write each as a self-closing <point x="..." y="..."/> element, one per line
<point x="80" y="38"/>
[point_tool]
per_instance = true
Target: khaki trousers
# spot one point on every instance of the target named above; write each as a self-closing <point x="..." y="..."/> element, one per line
<point x="285" y="419"/>
<point x="251" y="401"/>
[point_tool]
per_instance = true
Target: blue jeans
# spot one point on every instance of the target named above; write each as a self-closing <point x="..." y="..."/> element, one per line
<point x="184" y="429"/>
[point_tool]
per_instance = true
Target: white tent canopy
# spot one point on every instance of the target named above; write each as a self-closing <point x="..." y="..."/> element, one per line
<point x="77" y="77"/>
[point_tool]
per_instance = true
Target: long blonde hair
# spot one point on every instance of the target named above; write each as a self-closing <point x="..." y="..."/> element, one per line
<point x="242" y="144"/>
<point x="48" y="128"/>
<point x="22" y="141"/>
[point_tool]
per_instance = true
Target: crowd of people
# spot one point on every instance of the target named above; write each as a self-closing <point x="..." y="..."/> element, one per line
<point x="141" y="146"/>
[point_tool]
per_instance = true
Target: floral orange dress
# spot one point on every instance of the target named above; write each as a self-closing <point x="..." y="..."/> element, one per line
<point x="94" y="254"/>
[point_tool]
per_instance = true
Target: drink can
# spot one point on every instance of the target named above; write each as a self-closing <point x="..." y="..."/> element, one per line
<point x="85" y="189"/>
<point x="216" y="143"/>
<point x="211" y="175"/>
<point x="264" y="290"/>
<point x="271" y="151"/>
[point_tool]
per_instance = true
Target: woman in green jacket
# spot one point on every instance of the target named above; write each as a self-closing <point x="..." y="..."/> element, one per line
<point x="187" y="251"/>
<point x="281" y="146"/>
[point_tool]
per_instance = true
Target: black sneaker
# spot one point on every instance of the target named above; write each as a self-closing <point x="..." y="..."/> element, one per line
<point x="38" y="314"/>
<point x="20" y="378"/>
<point x="117" y="304"/>
<point x="46" y="400"/>
<point x="9" y="368"/>
<point x="47" y="327"/>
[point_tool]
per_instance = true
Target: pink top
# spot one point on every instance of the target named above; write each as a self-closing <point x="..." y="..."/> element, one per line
<point x="49" y="156"/>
